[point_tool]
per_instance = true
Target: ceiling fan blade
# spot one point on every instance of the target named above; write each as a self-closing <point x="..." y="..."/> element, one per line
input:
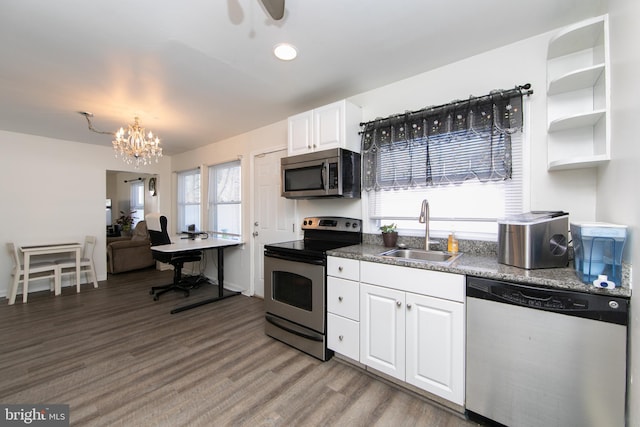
<point x="275" y="8"/>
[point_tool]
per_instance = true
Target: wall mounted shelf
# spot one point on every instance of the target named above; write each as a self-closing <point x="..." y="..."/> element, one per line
<point x="579" y="79"/>
<point x="577" y="163"/>
<point x="578" y="96"/>
<point x="576" y="121"/>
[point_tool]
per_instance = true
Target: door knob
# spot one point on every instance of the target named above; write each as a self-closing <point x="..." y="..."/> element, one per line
<point x="398" y="303"/>
<point x="254" y="234"/>
<point x="256" y="223"/>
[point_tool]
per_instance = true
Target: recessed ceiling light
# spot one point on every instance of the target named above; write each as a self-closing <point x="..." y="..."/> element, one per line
<point x="285" y="51"/>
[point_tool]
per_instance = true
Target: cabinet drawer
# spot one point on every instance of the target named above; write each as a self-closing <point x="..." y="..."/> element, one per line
<point x="343" y="297"/>
<point x="344" y="268"/>
<point x="436" y="284"/>
<point x="343" y="336"/>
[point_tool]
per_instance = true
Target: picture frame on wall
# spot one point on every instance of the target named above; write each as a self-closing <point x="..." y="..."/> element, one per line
<point x="152" y="186"/>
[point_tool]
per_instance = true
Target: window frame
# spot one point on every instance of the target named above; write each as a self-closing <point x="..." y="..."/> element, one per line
<point x="213" y="203"/>
<point x="440" y="227"/>
<point x="182" y="204"/>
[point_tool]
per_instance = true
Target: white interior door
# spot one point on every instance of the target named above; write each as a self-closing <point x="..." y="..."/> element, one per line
<point x="274" y="216"/>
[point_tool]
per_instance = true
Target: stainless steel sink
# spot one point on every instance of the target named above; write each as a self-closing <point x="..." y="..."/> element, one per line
<point x="422" y="255"/>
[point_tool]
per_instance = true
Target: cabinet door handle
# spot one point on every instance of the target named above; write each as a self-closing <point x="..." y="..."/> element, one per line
<point x="409" y="306"/>
<point x="340" y="337"/>
<point x="340" y="269"/>
<point x="340" y="299"/>
<point x="398" y="303"/>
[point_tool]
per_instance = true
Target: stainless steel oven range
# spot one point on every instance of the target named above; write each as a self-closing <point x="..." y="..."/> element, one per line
<point x="295" y="283"/>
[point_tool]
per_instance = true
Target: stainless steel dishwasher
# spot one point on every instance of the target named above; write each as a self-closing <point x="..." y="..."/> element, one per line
<point x="545" y="357"/>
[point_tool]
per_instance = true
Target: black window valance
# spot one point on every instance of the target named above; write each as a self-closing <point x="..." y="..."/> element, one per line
<point x="447" y="144"/>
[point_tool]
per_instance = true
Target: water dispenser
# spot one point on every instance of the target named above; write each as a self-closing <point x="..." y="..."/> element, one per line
<point x="598" y="250"/>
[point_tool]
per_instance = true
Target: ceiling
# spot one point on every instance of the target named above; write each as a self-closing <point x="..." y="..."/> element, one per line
<point x="197" y="72"/>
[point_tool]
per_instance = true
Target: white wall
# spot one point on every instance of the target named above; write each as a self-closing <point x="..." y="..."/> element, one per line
<point x="53" y="188"/>
<point x="504" y="68"/>
<point x="54" y="191"/>
<point x="519" y="63"/>
<point x="618" y="199"/>
<point x="120" y="192"/>
<point x="81" y="183"/>
<point x="348" y="208"/>
<point x="238" y="262"/>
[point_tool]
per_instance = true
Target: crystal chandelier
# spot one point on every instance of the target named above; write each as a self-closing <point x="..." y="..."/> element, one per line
<point x="135" y="147"/>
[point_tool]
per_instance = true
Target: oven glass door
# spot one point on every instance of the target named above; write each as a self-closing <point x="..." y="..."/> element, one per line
<point x="295" y="290"/>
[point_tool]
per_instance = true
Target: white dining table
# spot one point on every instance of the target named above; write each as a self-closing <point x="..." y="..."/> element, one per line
<point x="48" y="249"/>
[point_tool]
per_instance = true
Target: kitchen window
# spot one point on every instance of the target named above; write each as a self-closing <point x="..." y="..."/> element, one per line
<point x="188" y="199"/>
<point x="225" y="200"/>
<point x="465" y="158"/>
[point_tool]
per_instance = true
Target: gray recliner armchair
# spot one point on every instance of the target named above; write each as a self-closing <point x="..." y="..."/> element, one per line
<point x="130" y="253"/>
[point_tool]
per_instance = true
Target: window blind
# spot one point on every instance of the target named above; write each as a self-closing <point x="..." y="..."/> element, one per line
<point x="464" y="157"/>
<point x="449" y="144"/>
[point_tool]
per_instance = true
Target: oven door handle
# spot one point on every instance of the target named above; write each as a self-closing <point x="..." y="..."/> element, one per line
<point x="294" y="258"/>
<point x="274" y="321"/>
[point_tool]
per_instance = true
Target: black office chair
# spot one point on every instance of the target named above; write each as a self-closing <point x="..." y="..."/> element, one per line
<point x="161" y="237"/>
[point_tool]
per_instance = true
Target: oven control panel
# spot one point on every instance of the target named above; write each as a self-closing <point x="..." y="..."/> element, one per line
<point x="332" y="223"/>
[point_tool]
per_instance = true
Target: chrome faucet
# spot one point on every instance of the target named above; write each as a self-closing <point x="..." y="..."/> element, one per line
<point x="424" y="219"/>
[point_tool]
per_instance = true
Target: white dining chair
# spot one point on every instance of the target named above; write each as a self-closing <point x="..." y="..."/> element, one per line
<point x="37" y="270"/>
<point x="67" y="266"/>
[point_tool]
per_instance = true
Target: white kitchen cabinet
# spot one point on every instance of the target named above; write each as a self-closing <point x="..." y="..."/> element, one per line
<point x="437" y="284"/>
<point x="343" y="306"/>
<point x="412" y="326"/>
<point x="343" y="298"/>
<point x="578" y="91"/>
<point x="334" y="125"/>
<point x="382" y="329"/>
<point x="343" y="268"/>
<point x="343" y="336"/>
<point x="435" y="346"/>
<point x="300" y="133"/>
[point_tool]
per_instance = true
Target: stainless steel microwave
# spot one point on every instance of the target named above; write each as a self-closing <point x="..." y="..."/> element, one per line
<point x="327" y="173"/>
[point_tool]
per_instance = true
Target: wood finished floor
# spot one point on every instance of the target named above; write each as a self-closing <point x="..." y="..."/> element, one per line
<point x="120" y="359"/>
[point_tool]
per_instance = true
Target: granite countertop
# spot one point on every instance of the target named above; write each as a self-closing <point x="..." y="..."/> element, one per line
<point x="487" y="266"/>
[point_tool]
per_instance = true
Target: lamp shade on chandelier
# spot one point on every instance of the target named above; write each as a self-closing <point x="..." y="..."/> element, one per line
<point x="134" y="147"/>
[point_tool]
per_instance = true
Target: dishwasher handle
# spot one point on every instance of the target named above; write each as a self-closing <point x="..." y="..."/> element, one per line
<point x="535" y="298"/>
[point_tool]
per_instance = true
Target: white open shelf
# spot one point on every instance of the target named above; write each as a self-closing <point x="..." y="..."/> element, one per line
<point x="576" y="80"/>
<point x="577" y="37"/>
<point x="578" y="162"/>
<point x="576" y="121"/>
<point x="578" y="96"/>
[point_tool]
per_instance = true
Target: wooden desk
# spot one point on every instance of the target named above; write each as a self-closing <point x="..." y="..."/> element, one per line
<point x="55" y="248"/>
<point x="186" y="245"/>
